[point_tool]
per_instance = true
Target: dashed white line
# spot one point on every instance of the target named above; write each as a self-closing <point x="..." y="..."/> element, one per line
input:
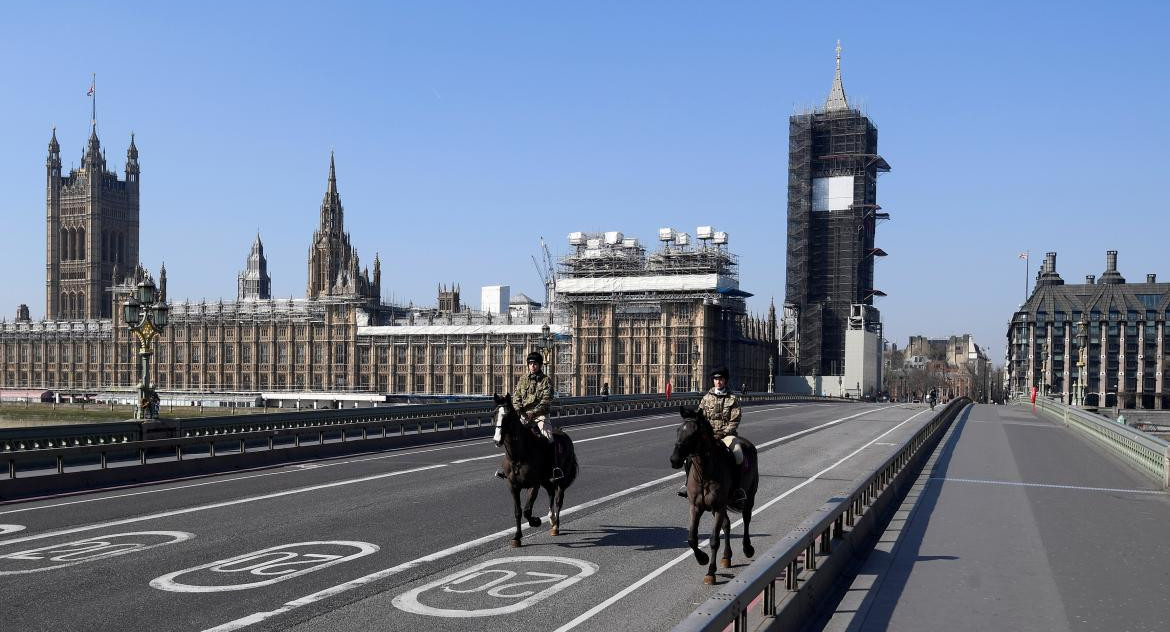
<point x="1048" y="485"/>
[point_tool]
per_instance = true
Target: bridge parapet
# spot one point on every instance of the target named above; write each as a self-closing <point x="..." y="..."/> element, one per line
<point x="1149" y="454"/>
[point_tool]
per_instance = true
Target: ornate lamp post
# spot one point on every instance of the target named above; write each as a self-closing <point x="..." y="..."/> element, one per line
<point x="145" y="313"/>
<point x="550" y="353"/>
<point x="1082" y="361"/>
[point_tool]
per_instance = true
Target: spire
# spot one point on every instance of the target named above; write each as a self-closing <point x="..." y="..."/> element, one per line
<point x="54" y="147"/>
<point x="133" y="151"/>
<point x="836" y="100"/>
<point x="93" y="150"/>
<point x="332" y="174"/>
<point x="162" y="283"/>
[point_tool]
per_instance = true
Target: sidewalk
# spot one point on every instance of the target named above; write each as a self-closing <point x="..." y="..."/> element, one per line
<point x="1016" y="523"/>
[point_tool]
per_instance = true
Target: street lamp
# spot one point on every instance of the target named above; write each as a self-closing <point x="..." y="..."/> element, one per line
<point x="546" y="337"/>
<point x="145" y="313"/>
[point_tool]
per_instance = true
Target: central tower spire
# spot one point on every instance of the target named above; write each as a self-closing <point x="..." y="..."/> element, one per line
<point x="836" y="100"/>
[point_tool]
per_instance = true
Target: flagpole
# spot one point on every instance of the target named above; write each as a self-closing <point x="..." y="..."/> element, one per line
<point x="93" y="101"/>
<point x="1027" y="271"/>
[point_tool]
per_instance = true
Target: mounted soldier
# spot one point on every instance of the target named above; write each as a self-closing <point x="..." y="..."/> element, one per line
<point x="533" y="401"/>
<point x="721" y="409"/>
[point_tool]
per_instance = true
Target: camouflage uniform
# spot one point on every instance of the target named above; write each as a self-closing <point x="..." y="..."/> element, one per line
<point x="533" y="396"/>
<point x="722" y="412"/>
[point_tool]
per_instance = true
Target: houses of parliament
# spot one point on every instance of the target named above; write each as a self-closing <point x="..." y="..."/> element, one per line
<point x="613" y="315"/>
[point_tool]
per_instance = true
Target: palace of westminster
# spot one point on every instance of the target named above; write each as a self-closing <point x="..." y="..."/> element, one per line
<point x="614" y="314"/>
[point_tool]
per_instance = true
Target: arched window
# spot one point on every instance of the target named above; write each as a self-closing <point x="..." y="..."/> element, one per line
<point x="105" y="246"/>
<point x="81" y="307"/>
<point x="64" y="244"/>
<point x="121" y="248"/>
<point x="62" y="306"/>
<point x="82" y="246"/>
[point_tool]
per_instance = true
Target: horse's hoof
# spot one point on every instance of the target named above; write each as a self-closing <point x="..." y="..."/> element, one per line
<point x="725" y="563"/>
<point x="534" y="522"/>
<point x="709" y="579"/>
<point x="516" y="543"/>
<point x="554" y="531"/>
<point x="749" y="550"/>
<point x="701" y="557"/>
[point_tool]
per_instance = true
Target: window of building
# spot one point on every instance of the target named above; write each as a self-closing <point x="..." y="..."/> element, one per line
<point x="420" y="383"/>
<point x="477" y="384"/>
<point x="654" y="353"/>
<point x="477" y="359"/>
<point x="364" y="355"/>
<point x="498" y="355"/>
<point x="400" y="355"/>
<point x="400" y="383"/>
<point x="439" y="385"/>
<point x="282" y="353"/>
<point x="319" y="353"/>
<point x="457" y="384"/>
<point x="457" y="357"/>
<point x="246" y="354"/>
<point x="593" y="352"/>
<point x="592" y="385"/>
<point x="211" y="359"/>
<point x="637" y="345"/>
<point x="438" y="356"/>
<point x="340" y="353"/>
<point x="383" y="355"/>
<point x="619" y="385"/>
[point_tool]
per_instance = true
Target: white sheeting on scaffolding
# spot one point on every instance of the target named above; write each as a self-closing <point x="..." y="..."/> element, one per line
<point x="461" y="330"/>
<point x="659" y="283"/>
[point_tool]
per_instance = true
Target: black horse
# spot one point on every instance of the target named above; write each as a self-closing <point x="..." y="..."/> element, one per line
<point x="711" y="483"/>
<point x="528" y="464"/>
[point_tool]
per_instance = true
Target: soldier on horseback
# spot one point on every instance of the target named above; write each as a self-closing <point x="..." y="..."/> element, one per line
<point x="533" y="399"/>
<point x="721" y="409"/>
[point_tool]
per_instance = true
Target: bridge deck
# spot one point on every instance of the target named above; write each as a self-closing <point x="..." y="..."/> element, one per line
<point x="1018" y="524"/>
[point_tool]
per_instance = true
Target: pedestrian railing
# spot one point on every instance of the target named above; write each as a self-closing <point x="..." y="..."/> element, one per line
<point x="785" y="580"/>
<point x="96" y="447"/>
<point x="1149" y="454"/>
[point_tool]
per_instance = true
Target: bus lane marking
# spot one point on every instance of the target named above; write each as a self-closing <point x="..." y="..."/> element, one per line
<point x="488" y="580"/>
<point x="10" y="528"/>
<point x="87" y="550"/>
<point x="257" y="617"/>
<point x="271" y="565"/>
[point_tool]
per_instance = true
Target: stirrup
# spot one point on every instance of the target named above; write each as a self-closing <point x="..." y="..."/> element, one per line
<point x="739" y="496"/>
<point x="682" y="491"/>
<point x="500" y="474"/>
<point x="557" y="474"/>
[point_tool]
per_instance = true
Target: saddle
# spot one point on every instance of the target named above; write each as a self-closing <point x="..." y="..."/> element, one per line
<point x="735" y="446"/>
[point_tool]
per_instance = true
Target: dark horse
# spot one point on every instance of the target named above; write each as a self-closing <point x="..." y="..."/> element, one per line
<point x="710" y="485"/>
<point x="528" y="464"/>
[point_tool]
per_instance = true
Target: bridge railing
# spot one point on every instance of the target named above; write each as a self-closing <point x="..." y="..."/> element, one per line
<point x="1146" y="452"/>
<point x="44" y="457"/>
<point x="811" y="557"/>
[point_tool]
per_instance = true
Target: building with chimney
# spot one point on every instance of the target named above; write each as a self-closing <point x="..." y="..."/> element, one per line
<point x="1098" y="343"/>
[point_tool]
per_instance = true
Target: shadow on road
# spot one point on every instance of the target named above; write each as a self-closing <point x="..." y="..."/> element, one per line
<point x="637" y="538"/>
<point x="878" y="611"/>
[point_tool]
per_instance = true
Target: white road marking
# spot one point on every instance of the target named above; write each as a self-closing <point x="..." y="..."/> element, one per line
<point x="81" y="551"/>
<point x="257" y="617"/>
<point x="294" y="468"/>
<point x="5" y="529"/>
<point x="1051" y="486"/>
<point x="588" y="614"/>
<point x="552" y="582"/>
<point x="226" y="503"/>
<point x="824" y="425"/>
<point x="277" y="563"/>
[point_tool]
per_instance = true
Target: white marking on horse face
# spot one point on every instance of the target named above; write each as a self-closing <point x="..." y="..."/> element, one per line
<point x="498" y="437"/>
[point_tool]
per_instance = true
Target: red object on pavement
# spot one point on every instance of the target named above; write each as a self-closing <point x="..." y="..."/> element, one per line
<point x="668" y="390"/>
<point x="1033" y="394"/>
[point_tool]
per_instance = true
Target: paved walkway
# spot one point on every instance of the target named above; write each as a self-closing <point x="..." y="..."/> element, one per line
<point x="1017" y="523"/>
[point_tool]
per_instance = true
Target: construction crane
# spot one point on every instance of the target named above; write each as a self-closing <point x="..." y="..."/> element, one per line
<point x="547" y="272"/>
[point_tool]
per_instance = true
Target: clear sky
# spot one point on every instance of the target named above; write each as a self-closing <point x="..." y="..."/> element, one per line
<point x="465" y="131"/>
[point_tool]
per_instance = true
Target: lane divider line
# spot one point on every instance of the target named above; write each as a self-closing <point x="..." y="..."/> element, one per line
<point x="588" y="614"/>
<point x="300" y="466"/>
<point x="257" y="617"/>
<point x="226" y="503"/>
<point x="948" y="479"/>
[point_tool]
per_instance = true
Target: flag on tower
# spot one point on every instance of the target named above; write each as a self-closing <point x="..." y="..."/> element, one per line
<point x="1024" y="256"/>
<point x="90" y="92"/>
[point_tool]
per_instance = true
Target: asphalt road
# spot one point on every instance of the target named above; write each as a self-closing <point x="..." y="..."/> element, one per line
<point x="418" y="538"/>
<point x="1018" y="523"/>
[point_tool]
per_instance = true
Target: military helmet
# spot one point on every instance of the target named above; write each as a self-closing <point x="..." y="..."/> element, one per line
<point x="719" y="372"/>
<point x="534" y="357"/>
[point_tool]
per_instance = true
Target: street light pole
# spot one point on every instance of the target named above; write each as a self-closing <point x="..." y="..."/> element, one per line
<point x="145" y="313"/>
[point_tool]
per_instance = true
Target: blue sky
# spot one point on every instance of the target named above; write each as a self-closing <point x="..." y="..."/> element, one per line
<point x="465" y="131"/>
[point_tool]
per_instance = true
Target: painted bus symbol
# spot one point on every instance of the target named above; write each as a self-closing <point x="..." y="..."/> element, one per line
<point x="517" y="582"/>
<point x="47" y="558"/>
<point x="264" y="567"/>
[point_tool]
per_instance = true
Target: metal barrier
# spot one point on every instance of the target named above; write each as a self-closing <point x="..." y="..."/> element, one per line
<point x="805" y="555"/>
<point x="56" y="455"/>
<point x="1148" y="453"/>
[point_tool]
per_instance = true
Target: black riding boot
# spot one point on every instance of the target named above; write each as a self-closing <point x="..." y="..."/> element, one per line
<point x="682" y="491"/>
